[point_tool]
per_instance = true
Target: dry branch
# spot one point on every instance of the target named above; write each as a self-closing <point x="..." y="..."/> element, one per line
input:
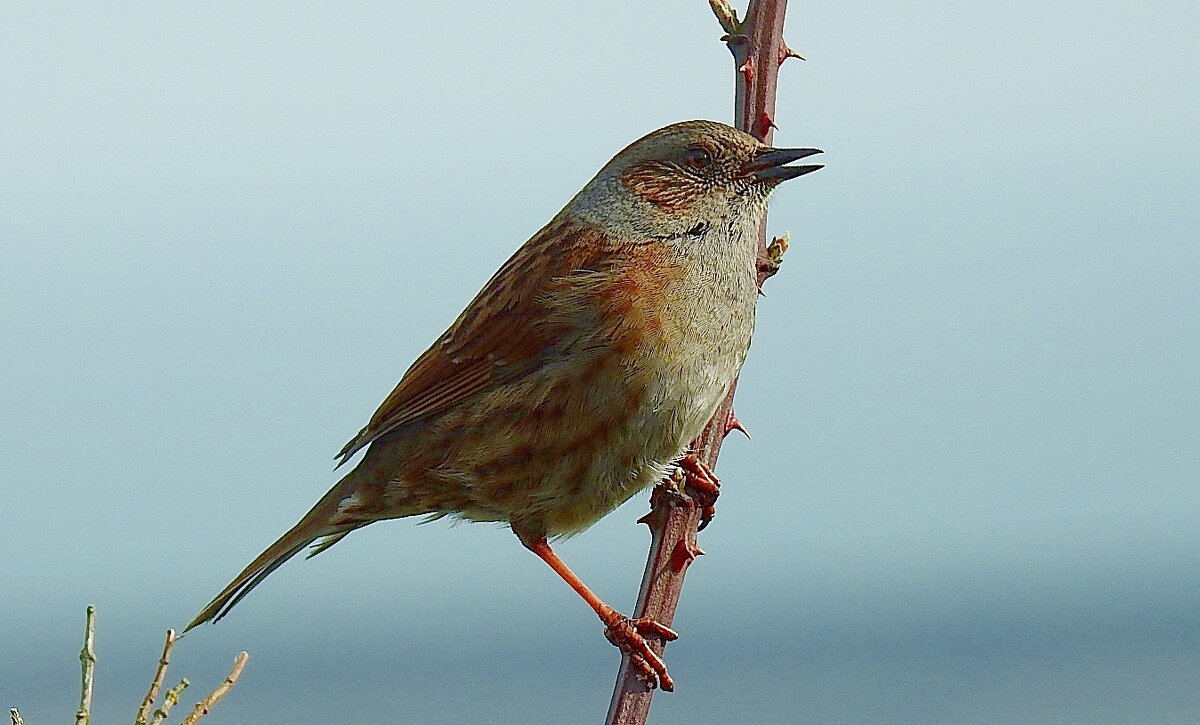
<point x="170" y="700"/>
<point x="152" y="694"/>
<point x="144" y="716"/>
<point x="758" y="50"/>
<point x="87" y="658"/>
<point x="202" y="708"/>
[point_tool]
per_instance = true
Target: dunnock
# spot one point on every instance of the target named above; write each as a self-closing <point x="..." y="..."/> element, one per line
<point x="580" y="372"/>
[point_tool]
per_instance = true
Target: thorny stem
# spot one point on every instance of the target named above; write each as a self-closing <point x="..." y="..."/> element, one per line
<point x="758" y="50"/>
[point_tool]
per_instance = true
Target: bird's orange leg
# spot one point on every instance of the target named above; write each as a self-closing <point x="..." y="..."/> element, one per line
<point x="704" y="484"/>
<point x="628" y="635"/>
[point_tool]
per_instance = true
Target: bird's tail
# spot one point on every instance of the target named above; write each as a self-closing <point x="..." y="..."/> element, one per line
<point x="319" y="522"/>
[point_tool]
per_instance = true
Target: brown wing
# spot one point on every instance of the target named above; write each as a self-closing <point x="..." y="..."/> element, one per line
<point x="505" y="333"/>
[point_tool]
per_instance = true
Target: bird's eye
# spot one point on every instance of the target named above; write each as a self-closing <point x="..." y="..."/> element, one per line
<point x="697" y="157"/>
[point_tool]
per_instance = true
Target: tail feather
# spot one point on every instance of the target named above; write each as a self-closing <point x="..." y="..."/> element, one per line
<point x="332" y="538"/>
<point x="315" y="524"/>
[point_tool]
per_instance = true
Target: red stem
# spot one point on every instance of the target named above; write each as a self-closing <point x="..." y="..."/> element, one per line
<point x="758" y="49"/>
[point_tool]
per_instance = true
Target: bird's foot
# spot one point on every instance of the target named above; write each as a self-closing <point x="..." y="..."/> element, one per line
<point x="629" y="636"/>
<point x="702" y="483"/>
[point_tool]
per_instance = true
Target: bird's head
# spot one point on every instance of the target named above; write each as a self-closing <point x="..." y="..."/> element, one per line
<point x="689" y="173"/>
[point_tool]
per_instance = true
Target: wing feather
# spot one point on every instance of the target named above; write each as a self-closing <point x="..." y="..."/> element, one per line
<point x="508" y="331"/>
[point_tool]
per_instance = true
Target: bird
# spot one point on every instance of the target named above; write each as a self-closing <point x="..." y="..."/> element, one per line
<point x="580" y="372"/>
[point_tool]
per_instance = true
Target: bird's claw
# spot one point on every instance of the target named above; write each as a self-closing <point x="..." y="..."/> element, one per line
<point x="703" y="484"/>
<point x="629" y="636"/>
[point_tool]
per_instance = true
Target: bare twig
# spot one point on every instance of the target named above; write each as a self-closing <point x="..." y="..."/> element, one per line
<point x="87" y="658"/>
<point x="170" y="700"/>
<point x="159" y="673"/>
<point x="215" y="696"/>
<point x="758" y="50"/>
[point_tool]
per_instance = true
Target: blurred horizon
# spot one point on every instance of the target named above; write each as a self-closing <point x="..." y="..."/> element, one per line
<point x="970" y="495"/>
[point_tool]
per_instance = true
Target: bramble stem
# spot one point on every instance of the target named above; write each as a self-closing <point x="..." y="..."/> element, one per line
<point x="758" y="50"/>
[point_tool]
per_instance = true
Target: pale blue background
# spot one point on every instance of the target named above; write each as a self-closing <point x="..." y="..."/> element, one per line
<point x="971" y="495"/>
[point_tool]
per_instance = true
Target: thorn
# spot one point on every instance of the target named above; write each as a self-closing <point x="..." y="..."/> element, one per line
<point x="786" y="52"/>
<point x="648" y="519"/>
<point x="683" y="555"/>
<point x="733" y="424"/>
<point x="747" y="71"/>
<point x="766" y="122"/>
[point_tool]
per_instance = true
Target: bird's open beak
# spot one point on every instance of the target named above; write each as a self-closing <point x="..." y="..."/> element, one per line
<point x="770" y="165"/>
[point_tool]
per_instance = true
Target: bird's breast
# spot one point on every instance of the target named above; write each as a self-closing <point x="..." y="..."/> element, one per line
<point x="680" y="319"/>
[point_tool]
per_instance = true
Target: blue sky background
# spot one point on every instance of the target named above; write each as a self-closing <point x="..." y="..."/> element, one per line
<point x="227" y="229"/>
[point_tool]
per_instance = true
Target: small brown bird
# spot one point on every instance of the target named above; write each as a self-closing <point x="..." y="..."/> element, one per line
<point x="581" y="371"/>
